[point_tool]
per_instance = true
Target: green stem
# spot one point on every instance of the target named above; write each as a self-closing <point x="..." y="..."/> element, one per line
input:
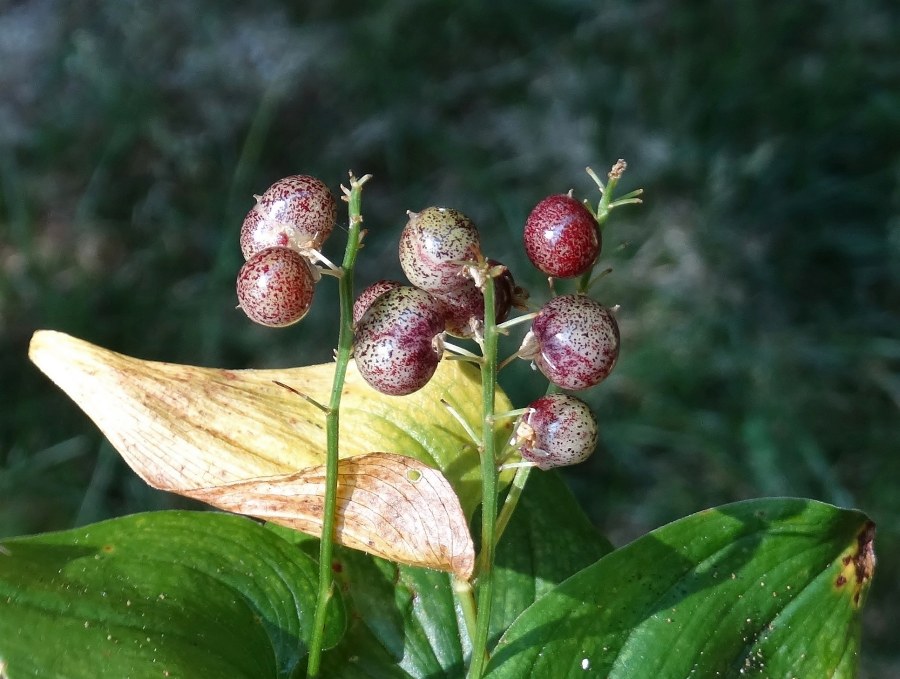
<point x="604" y="208"/>
<point x="488" y="485"/>
<point x="512" y="500"/>
<point x="506" y="511"/>
<point x="332" y="422"/>
<point x="463" y="591"/>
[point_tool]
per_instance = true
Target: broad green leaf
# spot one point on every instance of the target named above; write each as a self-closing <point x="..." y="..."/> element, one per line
<point x="359" y="655"/>
<point x="405" y="622"/>
<point x="763" y="588"/>
<point x="193" y="430"/>
<point x="179" y="594"/>
<point x="549" y="539"/>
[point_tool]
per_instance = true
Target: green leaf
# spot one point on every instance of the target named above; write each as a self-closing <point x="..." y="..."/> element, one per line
<point x="405" y="622"/>
<point x="189" y="594"/>
<point x="766" y="587"/>
<point x="548" y="539"/>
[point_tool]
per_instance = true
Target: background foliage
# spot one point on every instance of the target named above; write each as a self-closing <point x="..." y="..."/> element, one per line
<point x="759" y="284"/>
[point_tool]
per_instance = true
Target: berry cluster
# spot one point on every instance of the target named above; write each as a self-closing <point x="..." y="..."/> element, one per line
<point x="280" y="238"/>
<point x="399" y="330"/>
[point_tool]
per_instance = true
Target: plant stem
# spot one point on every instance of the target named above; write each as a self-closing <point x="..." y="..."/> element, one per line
<point x="512" y="499"/>
<point x="332" y="421"/>
<point x="463" y="591"/>
<point x="506" y="512"/>
<point x="488" y="485"/>
<point x="606" y="205"/>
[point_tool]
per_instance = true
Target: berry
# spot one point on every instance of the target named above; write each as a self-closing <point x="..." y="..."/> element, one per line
<point x="368" y="296"/>
<point x="460" y="308"/>
<point x="464" y="305"/>
<point x="296" y="212"/>
<point x="561" y="237"/>
<point x="558" y="430"/>
<point x="258" y="234"/>
<point x="574" y="341"/>
<point x="433" y="245"/>
<point x="275" y="287"/>
<point x="399" y="341"/>
<point x="506" y="293"/>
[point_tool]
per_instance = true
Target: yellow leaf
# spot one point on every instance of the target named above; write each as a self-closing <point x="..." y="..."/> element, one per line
<point x="188" y="429"/>
<point x="390" y="505"/>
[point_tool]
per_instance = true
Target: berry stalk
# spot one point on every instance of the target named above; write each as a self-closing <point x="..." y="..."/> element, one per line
<point x="353" y="196"/>
<point x="512" y="499"/>
<point x="488" y="484"/>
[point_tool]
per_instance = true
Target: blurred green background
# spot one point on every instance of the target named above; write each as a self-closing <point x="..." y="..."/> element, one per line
<point x="759" y="283"/>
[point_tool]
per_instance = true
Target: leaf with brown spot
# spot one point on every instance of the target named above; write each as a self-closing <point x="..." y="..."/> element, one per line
<point x="765" y="587"/>
<point x="188" y="429"/>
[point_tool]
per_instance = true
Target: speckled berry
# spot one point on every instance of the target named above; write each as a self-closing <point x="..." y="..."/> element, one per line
<point x="398" y="341"/>
<point x="369" y="295"/>
<point x="296" y="212"/>
<point x="275" y="287"/>
<point x="561" y="237"/>
<point x="433" y="244"/>
<point x="462" y="308"/>
<point x="574" y="341"/>
<point x="465" y="305"/>
<point x="558" y="430"/>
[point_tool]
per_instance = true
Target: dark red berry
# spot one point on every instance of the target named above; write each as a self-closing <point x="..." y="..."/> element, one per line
<point x="433" y="245"/>
<point x="561" y="237"/>
<point x="506" y="293"/>
<point x="464" y="307"/>
<point x="558" y="430"/>
<point x="296" y="212"/>
<point x="574" y="341"/>
<point x="369" y="295"/>
<point x="398" y="341"/>
<point x="275" y="287"/>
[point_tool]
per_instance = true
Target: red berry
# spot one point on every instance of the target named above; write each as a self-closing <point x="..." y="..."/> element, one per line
<point x="561" y="237"/>
<point x="433" y="244"/>
<point x="558" y="430"/>
<point x="368" y="296"/>
<point x="574" y="341"/>
<point x="398" y="341"/>
<point x="296" y="212"/>
<point x="275" y="287"/>
<point x="464" y="305"/>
